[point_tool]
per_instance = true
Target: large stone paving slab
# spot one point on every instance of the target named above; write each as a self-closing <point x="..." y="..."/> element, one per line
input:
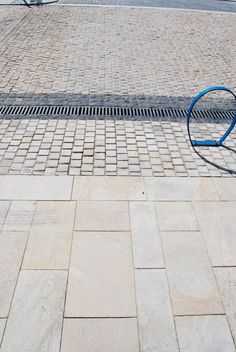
<point x="108" y="188"/>
<point x="218" y="226"/>
<point x="101" y="282"/>
<point x="35" y="188"/>
<point x="193" y="287"/>
<point x="12" y="247"/>
<point x="4" y="206"/>
<point x="2" y="327"/>
<point x="50" y="237"/>
<point x="147" y="248"/>
<point x="35" y="320"/>
<point x="156" y="324"/>
<point x="20" y="216"/>
<point x="204" y="333"/>
<point x="102" y="216"/>
<point x="123" y="283"/>
<point x="116" y="335"/>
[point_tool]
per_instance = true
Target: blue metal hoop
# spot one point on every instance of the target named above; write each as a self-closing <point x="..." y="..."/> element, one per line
<point x="209" y="143"/>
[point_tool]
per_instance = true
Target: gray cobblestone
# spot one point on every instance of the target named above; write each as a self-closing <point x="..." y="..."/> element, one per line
<point x="134" y="71"/>
<point x="166" y="157"/>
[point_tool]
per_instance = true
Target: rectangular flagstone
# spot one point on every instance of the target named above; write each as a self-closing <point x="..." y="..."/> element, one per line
<point x="217" y="222"/>
<point x="226" y="278"/>
<point x="226" y="188"/>
<point x="145" y="236"/>
<point x="101" y="282"/>
<point x="35" y="319"/>
<point x="106" y="335"/>
<point x="2" y="327"/>
<point x="192" y="284"/>
<point x="4" y="207"/>
<point x="20" y="216"/>
<point x="180" y="188"/>
<point x="36" y="187"/>
<point x="12" y="246"/>
<point x="50" y="236"/>
<point x="102" y="216"/>
<point x="176" y="216"/>
<point x="155" y="319"/>
<point x="108" y="188"/>
<point x="204" y="333"/>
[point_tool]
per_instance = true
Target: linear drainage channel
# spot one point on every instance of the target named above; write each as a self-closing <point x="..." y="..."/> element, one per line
<point x="98" y="112"/>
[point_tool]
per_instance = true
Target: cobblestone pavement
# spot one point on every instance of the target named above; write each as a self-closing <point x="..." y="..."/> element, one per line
<point x="210" y="5"/>
<point x="109" y="147"/>
<point x="113" y="56"/>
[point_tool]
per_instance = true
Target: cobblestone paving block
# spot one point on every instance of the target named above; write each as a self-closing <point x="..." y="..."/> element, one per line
<point x="164" y="157"/>
<point x="103" y="56"/>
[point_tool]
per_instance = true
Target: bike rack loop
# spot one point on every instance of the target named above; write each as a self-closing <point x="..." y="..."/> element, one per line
<point x="209" y="143"/>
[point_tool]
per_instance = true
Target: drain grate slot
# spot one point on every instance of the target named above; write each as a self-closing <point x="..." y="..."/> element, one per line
<point x="56" y="111"/>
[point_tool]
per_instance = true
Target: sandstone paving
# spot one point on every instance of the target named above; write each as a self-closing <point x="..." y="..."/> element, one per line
<point x="156" y="323"/>
<point x="101" y="282"/>
<point x="108" y="188"/>
<point x="35" y="320"/>
<point x="226" y="278"/>
<point x="106" y="335"/>
<point x="176" y="216"/>
<point x="35" y="188"/>
<point x="180" y="189"/>
<point x="204" y="333"/>
<point x="147" y="248"/>
<point x="50" y="237"/>
<point x="102" y="216"/>
<point x="2" y="327"/>
<point x="226" y="190"/>
<point x="4" y="206"/>
<point x="218" y="226"/>
<point x="193" y="288"/>
<point x="12" y="246"/>
<point x="160" y="268"/>
<point x="20" y="216"/>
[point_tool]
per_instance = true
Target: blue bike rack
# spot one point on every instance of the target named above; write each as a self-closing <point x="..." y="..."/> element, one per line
<point x="209" y="143"/>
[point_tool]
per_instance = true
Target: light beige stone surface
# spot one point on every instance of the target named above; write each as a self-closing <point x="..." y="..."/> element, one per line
<point x="146" y="242"/>
<point x="108" y="188"/>
<point x="101" y="282"/>
<point x="226" y="278"/>
<point x="217" y="222"/>
<point x="180" y="188"/>
<point x="35" y="187"/>
<point x="4" y="207"/>
<point x="96" y="335"/>
<point x="226" y="188"/>
<point x="50" y="237"/>
<point x="20" y="216"/>
<point x="176" y="216"/>
<point x="204" y="334"/>
<point x="36" y="314"/>
<point x="192" y="285"/>
<point x="12" y="246"/>
<point x="102" y="216"/>
<point x="2" y="327"/>
<point x="156" y="324"/>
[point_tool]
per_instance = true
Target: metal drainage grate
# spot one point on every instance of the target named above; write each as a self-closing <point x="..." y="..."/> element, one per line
<point x="108" y="112"/>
